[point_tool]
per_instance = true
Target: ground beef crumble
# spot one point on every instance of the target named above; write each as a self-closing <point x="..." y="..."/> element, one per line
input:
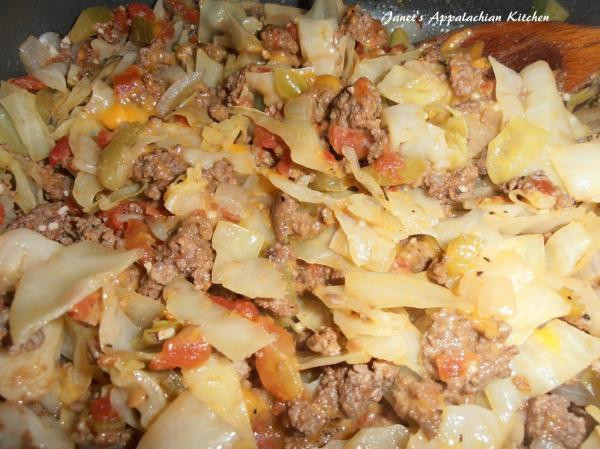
<point x="549" y="420"/>
<point x="235" y="91"/>
<point x="290" y="220"/>
<point x="158" y="169"/>
<point x="277" y="38"/>
<point x="56" y="222"/>
<point x="459" y="354"/>
<point x="56" y="186"/>
<point x="539" y="182"/>
<point x="466" y="80"/>
<point x="361" y="112"/>
<point x="452" y="187"/>
<point x="367" y="31"/>
<point x="421" y="401"/>
<point x="187" y="253"/>
<point x="324" y="341"/>
<point x="342" y="392"/>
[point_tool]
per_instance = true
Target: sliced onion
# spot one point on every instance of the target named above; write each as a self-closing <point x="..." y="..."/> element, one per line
<point x="34" y="55"/>
<point x="104" y="49"/>
<point x="127" y="59"/>
<point x="53" y="76"/>
<point x="171" y="74"/>
<point x="177" y="92"/>
<point x="51" y="41"/>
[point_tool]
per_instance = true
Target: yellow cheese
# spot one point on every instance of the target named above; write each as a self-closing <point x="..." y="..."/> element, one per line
<point x="123" y="113"/>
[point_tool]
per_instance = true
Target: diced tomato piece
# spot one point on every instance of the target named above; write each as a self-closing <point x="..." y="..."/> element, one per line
<point x="359" y="139"/>
<point x="390" y="165"/>
<point x="266" y="139"/>
<point x="2" y="213"/>
<point x="28" y="82"/>
<point x="188" y="13"/>
<point x="88" y="309"/>
<point x="187" y="349"/>
<point x="449" y="366"/>
<point x="137" y="235"/>
<point x="60" y="153"/>
<point x="102" y="410"/>
<point x="103" y="138"/>
<point x="266" y="433"/>
<point x="114" y="216"/>
<point x="141" y="10"/>
<point x="127" y="81"/>
<point x="121" y="19"/>
<point x="242" y="307"/>
<point x="181" y="119"/>
<point x="277" y="364"/>
<point x="362" y="87"/>
<point x="285" y="163"/>
<point x="544" y="186"/>
<point x="127" y="76"/>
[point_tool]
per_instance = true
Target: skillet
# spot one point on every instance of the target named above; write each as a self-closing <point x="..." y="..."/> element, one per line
<point x="20" y="18"/>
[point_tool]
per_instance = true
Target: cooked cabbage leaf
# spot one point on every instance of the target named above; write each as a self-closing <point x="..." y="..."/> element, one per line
<point x="234" y="336"/>
<point x="217" y="384"/>
<point x="187" y="421"/>
<point x="50" y="289"/>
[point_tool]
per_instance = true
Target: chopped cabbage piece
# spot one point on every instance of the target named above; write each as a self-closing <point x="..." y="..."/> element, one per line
<point x="30" y="375"/>
<point x="575" y="165"/>
<point x="516" y="150"/>
<point x="187" y="421"/>
<point x="387" y="290"/>
<point x="235" y="337"/>
<point x="21" y="249"/>
<point x="232" y="243"/>
<point x="405" y="86"/>
<point x="319" y="46"/>
<point x="19" y="421"/>
<point x="50" y="289"/>
<point x="217" y="384"/>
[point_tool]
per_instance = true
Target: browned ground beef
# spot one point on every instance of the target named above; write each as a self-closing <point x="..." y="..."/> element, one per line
<point x="364" y="113"/>
<point x="416" y="253"/>
<point x="235" y="92"/>
<point x="342" y="391"/>
<point x="56" y="222"/>
<point x="55" y="185"/>
<point x="86" y="437"/>
<point x="549" y="420"/>
<point x="158" y="169"/>
<point x="464" y="78"/>
<point x="452" y="187"/>
<point x="421" y="401"/>
<point x="324" y="341"/>
<point x="367" y="31"/>
<point x="283" y="307"/>
<point x="454" y="337"/>
<point x="290" y="220"/>
<point x="220" y="173"/>
<point x="539" y="182"/>
<point x="187" y="253"/>
<point x="87" y="58"/>
<point x="215" y="52"/>
<point x="207" y="98"/>
<point x="156" y="55"/>
<point x="276" y="38"/>
<point x="111" y="31"/>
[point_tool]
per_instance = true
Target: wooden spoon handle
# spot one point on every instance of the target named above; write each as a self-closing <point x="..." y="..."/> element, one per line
<point x="572" y="50"/>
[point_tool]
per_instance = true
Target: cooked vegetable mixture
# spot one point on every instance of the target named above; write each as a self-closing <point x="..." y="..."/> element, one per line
<point x="245" y="225"/>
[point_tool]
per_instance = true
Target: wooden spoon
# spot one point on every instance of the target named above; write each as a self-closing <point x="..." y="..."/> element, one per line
<point x="572" y="50"/>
